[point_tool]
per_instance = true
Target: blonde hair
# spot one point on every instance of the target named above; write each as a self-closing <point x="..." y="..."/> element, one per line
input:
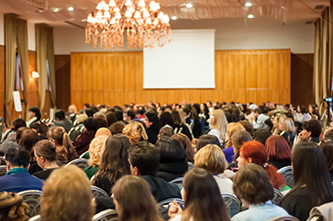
<point x="220" y="123"/>
<point x="288" y="124"/>
<point x="12" y="207"/>
<point x="231" y="129"/>
<point x="96" y="150"/>
<point x="135" y="132"/>
<point x="67" y="196"/>
<point x="211" y="158"/>
<point x="82" y="117"/>
<point x="103" y="132"/>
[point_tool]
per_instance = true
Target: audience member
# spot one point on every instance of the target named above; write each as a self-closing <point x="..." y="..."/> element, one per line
<point x="180" y="125"/>
<point x="78" y="129"/>
<point x="301" y="115"/>
<point x="117" y="127"/>
<point x="11" y="134"/>
<point x="40" y="128"/>
<point x="248" y="126"/>
<point x="186" y="144"/>
<point x="287" y="126"/>
<point x="60" y="121"/>
<point x="12" y="207"/>
<point x="229" y="150"/>
<point x="166" y="131"/>
<point x="135" y="132"/>
<point x="17" y="178"/>
<point x="103" y="132"/>
<point x="34" y="115"/>
<point x="253" y="187"/>
<point x="192" y="119"/>
<point x="327" y="147"/>
<point x="238" y="139"/>
<point x="207" y="139"/>
<point x="129" y="116"/>
<point x="311" y="131"/>
<point x="166" y="119"/>
<point x="262" y="135"/>
<point x="67" y="196"/>
<point x="28" y="139"/>
<point x="152" y="125"/>
<point x="313" y="184"/>
<point x="202" y="199"/>
<point x="19" y="133"/>
<point x="81" y="143"/>
<point x="111" y="117"/>
<point x="218" y="125"/>
<point x="46" y="155"/>
<point x="101" y="120"/>
<point x="258" y="120"/>
<point x="278" y="151"/>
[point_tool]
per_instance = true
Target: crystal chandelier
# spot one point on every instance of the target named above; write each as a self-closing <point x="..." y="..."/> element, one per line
<point x="140" y="19"/>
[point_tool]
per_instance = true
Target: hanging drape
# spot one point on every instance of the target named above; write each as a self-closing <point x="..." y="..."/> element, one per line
<point x="44" y="53"/>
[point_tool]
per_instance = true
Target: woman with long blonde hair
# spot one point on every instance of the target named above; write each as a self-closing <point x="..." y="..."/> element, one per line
<point x="135" y="131"/>
<point x="218" y="125"/>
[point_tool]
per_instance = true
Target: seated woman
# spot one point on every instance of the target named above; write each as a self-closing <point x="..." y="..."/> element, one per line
<point x="205" y="140"/>
<point x="12" y="207"/>
<point x="253" y="187"/>
<point x="211" y="158"/>
<point x="96" y="150"/>
<point x="133" y="200"/>
<point x="81" y="143"/>
<point x="61" y="140"/>
<point x="46" y="157"/>
<point x="229" y="150"/>
<point x="67" y="196"/>
<point x="327" y="147"/>
<point x="202" y="199"/>
<point x="287" y="126"/>
<point x="313" y="184"/>
<point x="135" y="131"/>
<point x="278" y="151"/>
<point x="28" y="139"/>
<point x="255" y="152"/>
<point x="186" y="144"/>
<point x="114" y="162"/>
<point x="173" y="163"/>
<point x="218" y="125"/>
<point x="180" y="125"/>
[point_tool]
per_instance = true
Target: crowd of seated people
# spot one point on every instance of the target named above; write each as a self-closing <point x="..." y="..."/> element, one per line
<point x="136" y="152"/>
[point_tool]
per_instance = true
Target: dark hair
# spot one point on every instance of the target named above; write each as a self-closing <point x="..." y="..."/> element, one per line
<point x="206" y="111"/>
<point x="130" y="114"/>
<point x="207" y="139"/>
<point x="151" y="116"/>
<point x="262" y="135"/>
<point x="40" y="127"/>
<point x="60" y="114"/>
<point x="19" y="122"/>
<point x="87" y="105"/>
<point x="175" y="116"/>
<point x="302" y="108"/>
<point x="111" y="116"/>
<point x="115" y="158"/>
<point x="89" y="112"/>
<point x="252" y="184"/>
<point x="170" y="150"/>
<point x="145" y="156"/>
<point x="166" y="119"/>
<point x="186" y="144"/>
<point x="19" y="133"/>
<point x="140" y="111"/>
<point x="327" y="148"/>
<point x="90" y="124"/>
<point x="248" y="126"/>
<point x="17" y="156"/>
<point x="328" y="134"/>
<point x="119" y="115"/>
<point x="46" y="149"/>
<point x="187" y="109"/>
<point x="309" y="169"/>
<point x="36" y="111"/>
<point x="257" y="110"/>
<point x="117" y="127"/>
<point x="203" y="197"/>
<point x="313" y="126"/>
<point x="94" y="109"/>
<point x="238" y="138"/>
<point x="28" y="139"/>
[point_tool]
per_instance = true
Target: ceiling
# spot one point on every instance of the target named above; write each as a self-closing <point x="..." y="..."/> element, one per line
<point x="287" y="11"/>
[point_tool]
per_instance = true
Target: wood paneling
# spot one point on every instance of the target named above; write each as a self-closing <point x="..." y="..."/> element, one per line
<point x="302" y="79"/>
<point x="63" y="85"/>
<point x="2" y="81"/>
<point x="115" y="78"/>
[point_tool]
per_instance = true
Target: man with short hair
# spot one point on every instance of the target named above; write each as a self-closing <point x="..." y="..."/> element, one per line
<point x="61" y="121"/>
<point x="311" y="131"/>
<point x="17" y="178"/>
<point x="259" y="119"/>
<point x="144" y="159"/>
<point x="129" y="116"/>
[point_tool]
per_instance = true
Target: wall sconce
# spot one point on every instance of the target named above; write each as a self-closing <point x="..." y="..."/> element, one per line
<point x="35" y="75"/>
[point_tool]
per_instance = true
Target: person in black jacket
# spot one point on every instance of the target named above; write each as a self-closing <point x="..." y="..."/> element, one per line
<point x="192" y="119"/>
<point x="144" y="159"/>
<point x="152" y="125"/>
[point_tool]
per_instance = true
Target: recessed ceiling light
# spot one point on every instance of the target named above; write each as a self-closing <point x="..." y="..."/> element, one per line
<point x="189" y="5"/>
<point x="250" y="16"/>
<point x="55" y="9"/>
<point x="70" y="9"/>
<point x="174" y="18"/>
<point x="248" y="4"/>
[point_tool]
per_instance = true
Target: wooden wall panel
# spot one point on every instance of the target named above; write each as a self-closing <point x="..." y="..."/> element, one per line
<point x="2" y="81"/>
<point x="116" y="78"/>
<point x="62" y="70"/>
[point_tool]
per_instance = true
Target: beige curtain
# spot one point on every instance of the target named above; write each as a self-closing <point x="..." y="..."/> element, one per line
<point x="10" y="57"/>
<point x="22" y="45"/>
<point x="45" y="51"/>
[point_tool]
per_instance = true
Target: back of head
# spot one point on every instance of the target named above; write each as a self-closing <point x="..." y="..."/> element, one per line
<point x="89" y="112"/>
<point x="231" y="129"/>
<point x="82" y="117"/>
<point x="166" y="119"/>
<point x="326" y="145"/>
<point x="60" y="114"/>
<point x="252" y="184"/>
<point x="203" y="199"/>
<point x="171" y="151"/>
<point x="277" y="148"/>
<point x="17" y="156"/>
<point x="40" y="128"/>
<point x="103" y="132"/>
<point x="135" y="132"/>
<point x="111" y="116"/>
<point x="19" y="133"/>
<point x="96" y="150"/>
<point x="61" y="138"/>
<point x="28" y="139"/>
<point x="12" y="207"/>
<point x="240" y="137"/>
<point x="130" y="114"/>
<point x="36" y="111"/>
<point x="67" y="196"/>
<point x="186" y="144"/>
<point x="17" y="123"/>
<point x="117" y="127"/>
<point x="261" y="135"/>
<point x="220" y="123"/>
<point x="328" y="134"/>
<point x="175" y="116"/>
<point x="211" y="158"/>
<point x="134" y="199"/>
<point x="207" y="139"/>
<point x="145" y="156"/>
<point x="46" y="149"/>
<point x="166" y="131"/>
<point x="90" y="124"/>
<point x="313" y="126"/>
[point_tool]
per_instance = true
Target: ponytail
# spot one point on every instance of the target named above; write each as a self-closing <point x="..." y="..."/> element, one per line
<point x="68" y="149"/>
<point x="276" y="178"/>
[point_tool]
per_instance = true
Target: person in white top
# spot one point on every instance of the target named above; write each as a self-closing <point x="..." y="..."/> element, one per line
<point x="212" y="158"/>
<point x="258" y="119"/>
<point x="202" y="199"/>
<point x="253" y="187"/>
<point x="218" y="124"/>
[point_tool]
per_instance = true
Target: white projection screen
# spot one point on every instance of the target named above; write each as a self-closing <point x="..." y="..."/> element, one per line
<point x="187" y="62"/>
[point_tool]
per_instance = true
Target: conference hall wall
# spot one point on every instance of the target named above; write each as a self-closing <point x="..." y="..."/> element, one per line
<point x="115" y="78"/>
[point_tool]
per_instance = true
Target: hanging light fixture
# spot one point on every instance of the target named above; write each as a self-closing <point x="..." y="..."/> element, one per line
<point x="141" y="20"/>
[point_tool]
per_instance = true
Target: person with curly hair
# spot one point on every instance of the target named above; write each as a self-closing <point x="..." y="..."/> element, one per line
<point x="12" y="207"/>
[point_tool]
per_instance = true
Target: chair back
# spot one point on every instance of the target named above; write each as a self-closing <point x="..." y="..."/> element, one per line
<point x="232" y="203"/>
<point x="97" y="192"/>
<point x="106" y="215"/>
<point x="81" y="163"/>
<point x="283" y="218"/>
<point x="32" y="197"/>
<point x="82" y="155"/>
<point x="36" y="218"/>
<point x="287" y="173"/>
<point x="178" y="181"/>
<point x="163" y="207"/>
<point x="3" y="170"/>
<point x="277" y="197"/>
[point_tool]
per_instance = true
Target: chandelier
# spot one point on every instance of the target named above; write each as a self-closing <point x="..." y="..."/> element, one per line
<point x="141" y="20"/>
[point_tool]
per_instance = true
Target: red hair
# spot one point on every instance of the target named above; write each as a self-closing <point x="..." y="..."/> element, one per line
<point x="256" y="151"/>
<point x="277" y="148"/>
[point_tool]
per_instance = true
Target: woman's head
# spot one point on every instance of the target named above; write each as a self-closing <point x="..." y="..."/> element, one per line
<point x="135" y="132"/>
<point x="238" y="138"/>
<point x="231" y="129"/>
<point x="211" y="158"/>
<point x="252" y="185"/>
<point x="207" y="139"/>
<point x="67" y="196"/>
<point x="96" y="150"/>
<point x="45" y="152"/>
<point x="219" y="121"/>
<point x="90" y="124"/>
<point x="287" y="124"/>
<point x="248" y="126"/>
<point x="103" y="132"/>
<point x="277" y="148"/>
<point x="82" y="117"/>
<point x="176" y="117"/>
<point x="40" y="128"/>
<point x="186" y="144"/>
<point x="28" y="139"/>
<point x="171" y="151"/>
<point x="261" y="135"/>
<point x="166" y="119"/>
<point x="12" y="207"/>
<point x="65" y="149"/>
<point x="202" y="197"/>
<point x="133" y="199"/>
